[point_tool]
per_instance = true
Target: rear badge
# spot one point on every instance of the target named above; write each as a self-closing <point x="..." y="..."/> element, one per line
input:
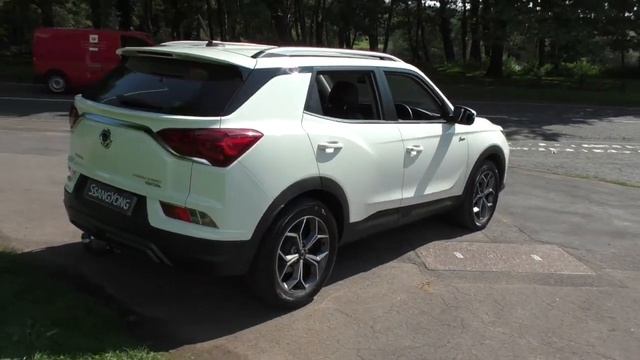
<point x="105" y="138"/>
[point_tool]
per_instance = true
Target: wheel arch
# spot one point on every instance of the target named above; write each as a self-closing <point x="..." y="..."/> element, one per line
<point x="321" y="188"/>
<point x="495" y="154"/>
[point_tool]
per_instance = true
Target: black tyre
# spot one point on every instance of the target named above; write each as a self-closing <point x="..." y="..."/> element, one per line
<point x="480" y="197"/>
<point x="57" y="83"/>
<point x="296" y="256"/>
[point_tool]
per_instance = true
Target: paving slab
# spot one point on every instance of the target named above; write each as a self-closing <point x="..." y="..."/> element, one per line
<point x="521" y="258"/>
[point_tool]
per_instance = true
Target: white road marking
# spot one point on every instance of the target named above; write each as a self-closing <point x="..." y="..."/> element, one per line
<point x="536" y="257"/>
<point x="458" y="255"/>
<point x="34" y="99"/>
<point x="556" y="147"/>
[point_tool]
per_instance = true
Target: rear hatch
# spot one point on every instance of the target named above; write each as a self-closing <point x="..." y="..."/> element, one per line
<point x="116" y="141"/>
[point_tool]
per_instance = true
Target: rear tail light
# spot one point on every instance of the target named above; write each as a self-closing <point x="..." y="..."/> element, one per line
<point x="74" y="116"/>
<point x="220" y="147"/>
<point x="188" y="215"/>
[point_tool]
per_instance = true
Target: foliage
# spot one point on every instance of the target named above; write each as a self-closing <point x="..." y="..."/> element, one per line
<point x="507" y="37"/>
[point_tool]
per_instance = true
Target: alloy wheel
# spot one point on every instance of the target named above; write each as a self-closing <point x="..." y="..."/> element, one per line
<point x="484" y="196"/>
<point x="302" y="255"/>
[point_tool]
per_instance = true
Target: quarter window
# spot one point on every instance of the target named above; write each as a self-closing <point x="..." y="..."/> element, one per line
<point x="347" y="95"/>
<point x="411" y="99"/>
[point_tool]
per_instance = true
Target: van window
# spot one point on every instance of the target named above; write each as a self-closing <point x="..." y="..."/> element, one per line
<point x="169" y="86"/>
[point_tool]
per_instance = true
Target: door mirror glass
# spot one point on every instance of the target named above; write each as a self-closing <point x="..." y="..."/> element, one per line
<point x="463" y="115"/>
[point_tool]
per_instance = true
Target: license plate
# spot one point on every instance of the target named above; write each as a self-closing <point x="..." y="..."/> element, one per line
<point x="110" y="197"/>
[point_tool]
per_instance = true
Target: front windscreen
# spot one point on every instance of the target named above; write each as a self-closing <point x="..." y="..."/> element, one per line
<point x="169" y="86"/>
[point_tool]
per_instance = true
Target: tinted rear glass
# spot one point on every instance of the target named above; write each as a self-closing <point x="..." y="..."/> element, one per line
<point x="169" y="86"/>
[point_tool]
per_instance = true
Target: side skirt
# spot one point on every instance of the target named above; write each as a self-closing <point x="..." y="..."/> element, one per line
<point x="393" y="218"/>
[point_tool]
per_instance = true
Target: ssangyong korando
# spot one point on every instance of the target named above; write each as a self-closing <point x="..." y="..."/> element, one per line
<point x="263" y="160"/>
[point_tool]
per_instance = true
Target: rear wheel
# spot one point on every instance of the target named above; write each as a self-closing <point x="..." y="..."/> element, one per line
<point x="56" y="83"/>
<point x="296" y="256"/>
<point x="480" y="197"/>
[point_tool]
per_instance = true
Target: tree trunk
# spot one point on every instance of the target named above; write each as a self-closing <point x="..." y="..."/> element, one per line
<point x="319" y="18"/>
<point x="95" y="7"/>
<point x="463" y="32"/>
<point x="232" y="10"/>
<point x="124" y="9"/>
<point x="222" y="19"/>
<point x="387" y="26"/>
<point x="147" y="16"/>
<point x="301" y="20"/>
<point x="542" y="45"/>
<point x="485" y="16"/>
<point x="445" y="32"/>
<point x="499" y="32"/>
<point x="210" y="23"/>
<point x="373" y="38"/>
<point x="425" y="46"/>
<point x="475" y="52"/>
<point x="176" y="20"/>
<point x="46" y="10"/>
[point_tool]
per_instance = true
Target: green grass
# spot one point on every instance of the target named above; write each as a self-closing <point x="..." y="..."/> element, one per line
<point x="16" y="69"/>
<point x="41" y="317"/>
<point x="592" y="91"/>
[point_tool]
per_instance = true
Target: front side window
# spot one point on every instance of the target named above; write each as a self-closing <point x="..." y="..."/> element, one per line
<point x="411" y="99"/>
<point x="169" y="86"/>
<point x="347" y="95"/>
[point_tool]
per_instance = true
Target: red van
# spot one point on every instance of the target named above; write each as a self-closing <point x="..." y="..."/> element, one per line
<point x="77" y="58"/>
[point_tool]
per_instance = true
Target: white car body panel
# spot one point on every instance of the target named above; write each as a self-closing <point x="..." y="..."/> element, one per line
<point x="368" y="165"/>
<point x="373" y="166"/>
<point x="438" y="168"/>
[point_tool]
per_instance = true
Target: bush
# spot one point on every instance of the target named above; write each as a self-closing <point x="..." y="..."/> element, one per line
<point x="512" y="67"/>
<point x="579" y="70"/>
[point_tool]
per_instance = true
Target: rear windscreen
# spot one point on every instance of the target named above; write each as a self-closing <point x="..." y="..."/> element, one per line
<point x="169" y="86"/>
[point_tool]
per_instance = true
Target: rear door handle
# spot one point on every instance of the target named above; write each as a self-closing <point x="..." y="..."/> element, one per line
<point x="414" y="150"/>
<point x="330" y="147"/>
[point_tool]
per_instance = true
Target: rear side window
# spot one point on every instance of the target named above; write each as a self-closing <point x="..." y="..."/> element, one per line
<point x="169" y="86"/>
<point x="343" y="94"/>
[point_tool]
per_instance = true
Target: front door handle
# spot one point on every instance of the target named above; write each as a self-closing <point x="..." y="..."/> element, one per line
<point x="414" y="150"/>
<point x="330" y="147"/>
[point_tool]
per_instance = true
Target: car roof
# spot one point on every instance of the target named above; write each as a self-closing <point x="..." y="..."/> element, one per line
<point x="252" y="56"/>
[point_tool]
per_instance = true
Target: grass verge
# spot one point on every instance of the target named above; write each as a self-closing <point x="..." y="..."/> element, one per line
<point x="43" y="318"/>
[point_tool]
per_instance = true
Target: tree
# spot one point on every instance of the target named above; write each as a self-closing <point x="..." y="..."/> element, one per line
<point x="446" y="31"/>
<point x="498" y="33"/>
<point x="463" y="32"/>
<point x="475" y="52"/>
<point x="124" y="9"/>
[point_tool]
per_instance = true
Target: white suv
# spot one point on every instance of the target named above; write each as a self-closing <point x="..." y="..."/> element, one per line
<point x="264" y="160"/>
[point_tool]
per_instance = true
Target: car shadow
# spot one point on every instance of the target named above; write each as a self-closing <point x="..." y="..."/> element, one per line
<point x="167" y="307"/>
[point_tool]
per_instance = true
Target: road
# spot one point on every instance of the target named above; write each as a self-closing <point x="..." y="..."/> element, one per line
<point x="555" y="275"/>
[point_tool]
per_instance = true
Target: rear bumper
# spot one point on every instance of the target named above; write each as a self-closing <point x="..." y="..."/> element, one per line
<point x="222" y="257"/>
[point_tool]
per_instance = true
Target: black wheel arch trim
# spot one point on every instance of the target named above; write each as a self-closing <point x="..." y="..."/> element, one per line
<point x="297" y="189"/>
<point x="501" y="165"/>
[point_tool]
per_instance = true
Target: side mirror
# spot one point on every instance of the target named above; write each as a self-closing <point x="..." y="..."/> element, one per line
<point x="463" y="115"/>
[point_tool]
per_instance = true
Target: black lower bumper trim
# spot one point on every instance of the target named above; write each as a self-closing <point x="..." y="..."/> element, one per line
<point x="222" y="257"/>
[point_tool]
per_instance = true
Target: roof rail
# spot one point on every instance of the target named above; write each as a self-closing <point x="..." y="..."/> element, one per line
<point x="323" y="52"/>
<point x="213" y="43"/>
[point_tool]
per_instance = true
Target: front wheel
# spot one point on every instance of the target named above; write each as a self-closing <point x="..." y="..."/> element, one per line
<point x="480" y="197"/>
<point x="296" y="256"/>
